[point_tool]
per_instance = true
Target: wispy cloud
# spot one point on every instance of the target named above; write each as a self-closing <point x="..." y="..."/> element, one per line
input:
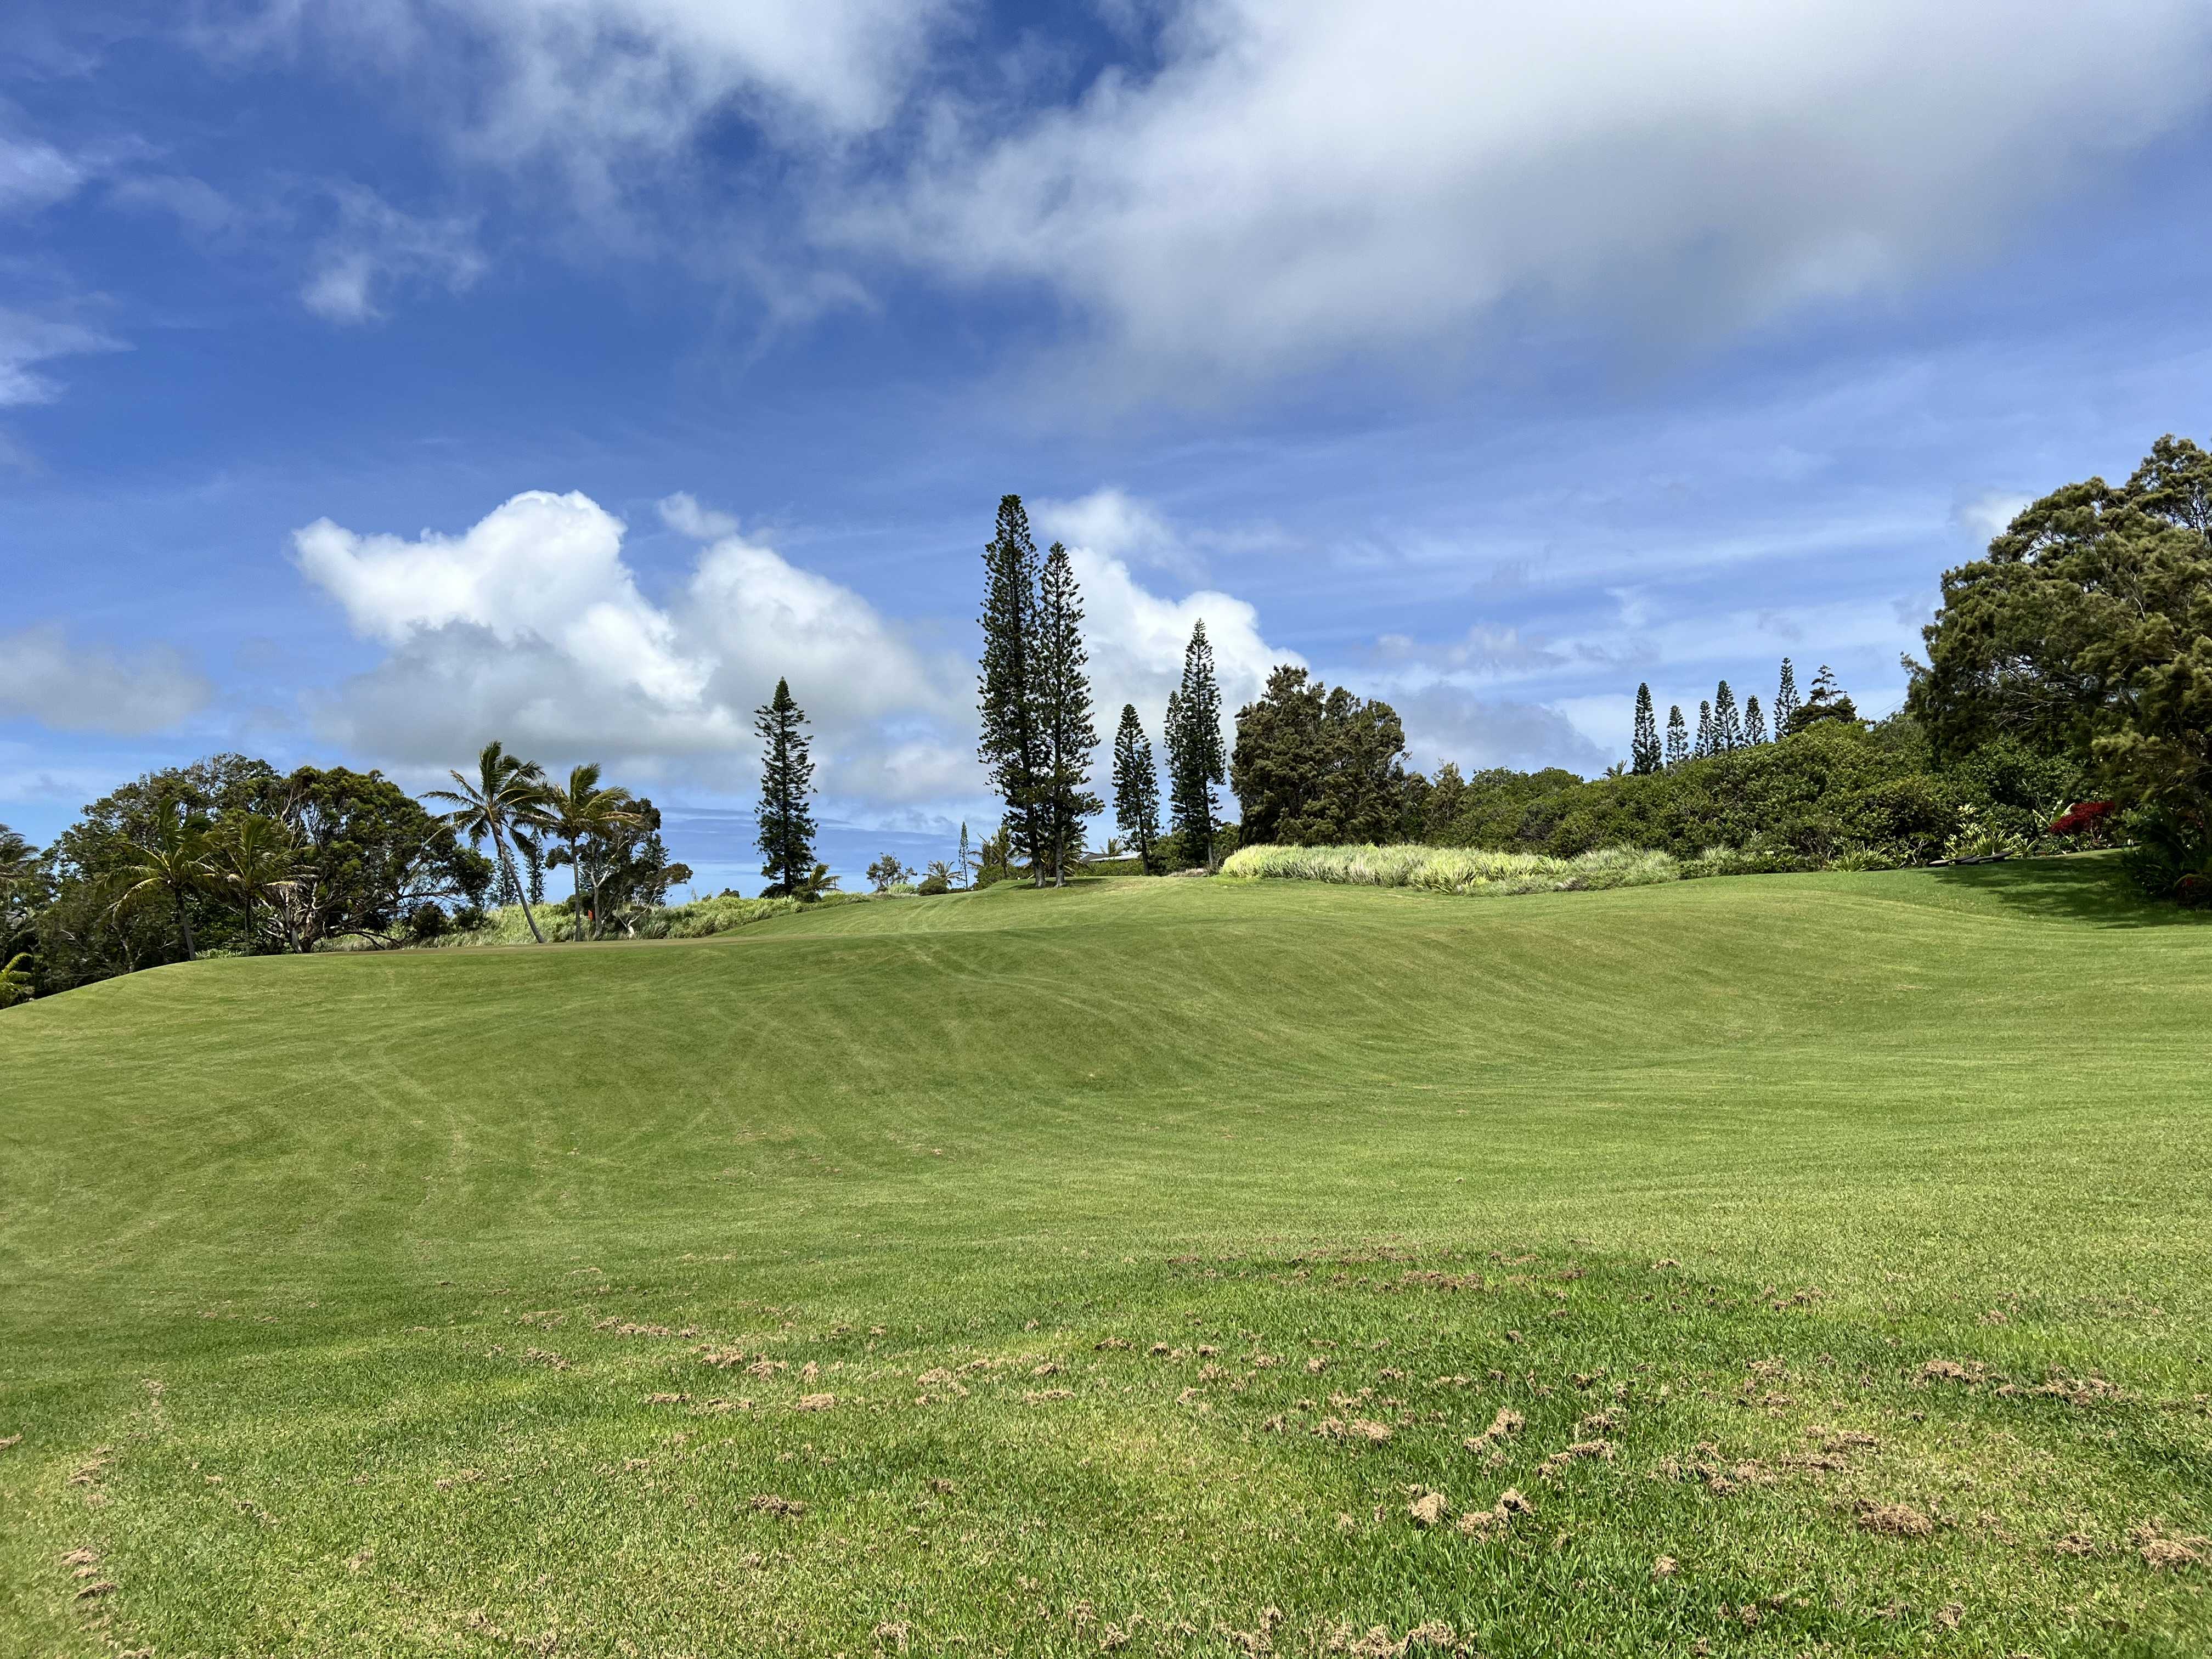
<point x="27" y="341"/>
<point x="376" y="247"/>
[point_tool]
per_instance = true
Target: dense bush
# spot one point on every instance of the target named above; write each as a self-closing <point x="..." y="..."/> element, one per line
<point x="1453" y="870"/>
<point x="1835" y="791"/>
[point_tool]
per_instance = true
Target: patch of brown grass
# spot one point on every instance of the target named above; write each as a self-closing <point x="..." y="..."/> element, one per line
<point x="1895" y="1520"/>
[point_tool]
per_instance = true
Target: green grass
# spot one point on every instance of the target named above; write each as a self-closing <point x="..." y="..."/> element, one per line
<point x="338" y="1290"/>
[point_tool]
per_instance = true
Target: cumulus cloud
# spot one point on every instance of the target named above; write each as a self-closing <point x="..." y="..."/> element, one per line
<point x="375" y="247"/>
<point x="1300" y="178"/>
<point x="1137" y="639"/>
<point x="44" y="678"/>
<point x="681" y="513"/>
<point x="27" y="341"/>
<point x="530" y="626"/>
<point x="1115" y="523"/>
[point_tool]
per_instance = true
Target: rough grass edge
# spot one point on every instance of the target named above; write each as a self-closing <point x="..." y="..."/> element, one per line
<point x="700" y="919"/>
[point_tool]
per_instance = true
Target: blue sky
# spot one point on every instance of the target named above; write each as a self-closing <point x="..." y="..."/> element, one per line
<point x="378" y="378"/>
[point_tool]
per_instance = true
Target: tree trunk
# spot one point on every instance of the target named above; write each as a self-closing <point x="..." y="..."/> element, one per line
<point x="520" y="891"/>
<point x="185" y="925"/>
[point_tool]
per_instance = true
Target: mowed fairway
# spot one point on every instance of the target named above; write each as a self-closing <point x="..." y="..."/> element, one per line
<point x="1118" y="1270"/>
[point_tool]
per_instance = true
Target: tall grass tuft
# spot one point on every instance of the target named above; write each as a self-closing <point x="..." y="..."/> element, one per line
<point x="1454" y="869"/>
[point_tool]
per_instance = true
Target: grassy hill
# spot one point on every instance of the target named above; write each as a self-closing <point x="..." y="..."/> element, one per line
<point x="1813" y="1263"/>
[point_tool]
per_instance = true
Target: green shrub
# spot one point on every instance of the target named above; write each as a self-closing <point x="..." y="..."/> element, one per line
<point x="1452" y="869"/>
<point x="2171" y="857"/>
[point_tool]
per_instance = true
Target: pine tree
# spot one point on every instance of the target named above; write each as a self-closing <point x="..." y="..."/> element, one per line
<point x="1785" y="701"/>
<point x="785" y="812"/>
<point x="1754" y="722"/>
<point x="1828" y="700"/>
<point x="967" y="855"/>
<point x="1196" y="761"/>
<point x="1727" y="725"/>
<point x="1136" y="786"/>
<point x="1643" y="746"/>
<point x="1063" y="700"/>
<point x="1678" y="736"/>
<point x="1704" y="745"/>
<point x="1013" y="746"/>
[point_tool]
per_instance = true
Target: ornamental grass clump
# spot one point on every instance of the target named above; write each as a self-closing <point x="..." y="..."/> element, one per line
<point x="1453" y="869"/>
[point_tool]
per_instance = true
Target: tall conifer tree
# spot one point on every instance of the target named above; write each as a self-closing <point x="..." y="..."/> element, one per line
<point x="1644" y="747"/>
<point x="1136" y="786"/>
<point x="1727" y="724"/>
<point x="786" y="814"/>
<point x="1754" y="721"/>
<point x="1678" y="736"/>
<point x="1063" y="701"/>
<point x="1704" y="744"/>
<point x="1196" y="758"/>
<point x="1785" y="701"/>
<point x="1013" y="746"/>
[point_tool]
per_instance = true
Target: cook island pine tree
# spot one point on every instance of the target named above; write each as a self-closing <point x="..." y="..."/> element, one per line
<point x="1197" y="760"/>
<point x="1728" y="727"/>
<point x="1678" y="736"/>
<point x="1013" y="746"/>
<point x="1643" y="748"/>
<point x="1062" y="696"/>
<point x="1704" y="745"/>
<point x="1754" y="722"/>
<point x="1136" y="786"/>
<point x="785" y="812"/>
<point x="1785" y="701"/>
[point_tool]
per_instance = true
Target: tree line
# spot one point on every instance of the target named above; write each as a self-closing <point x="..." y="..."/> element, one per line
<point x="2073" y="660"/>
<point x="229" y="854"/>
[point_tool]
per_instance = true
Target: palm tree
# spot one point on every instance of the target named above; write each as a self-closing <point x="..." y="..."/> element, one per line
<point x="19" y="866"/>
<point x="175" y="867"/>
<point x="502" y="802"/>
<point x="255" y="861"/>
<point x="15" y="982"/>
<point x="583" y="812"/>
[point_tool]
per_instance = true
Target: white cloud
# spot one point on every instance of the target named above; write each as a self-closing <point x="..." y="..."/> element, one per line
<point x="530" y="626"/>
<point x="1302" y="178"/>
<point x="44" y="678"/>
<point x="1988" y="515"/>
<point x="1261" y="186"/>
<point x="27" y="341"/>
<point x="375" y="246"/>
<point x="681" y="513"/>
<point x="34" y="174"/>
<point x="597" y="84"/>
<point x="1137" y="639"/>
<point x="1115" y="523"/>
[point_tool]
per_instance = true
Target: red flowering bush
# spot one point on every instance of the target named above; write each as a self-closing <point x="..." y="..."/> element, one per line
<point x="2092" y="820"/>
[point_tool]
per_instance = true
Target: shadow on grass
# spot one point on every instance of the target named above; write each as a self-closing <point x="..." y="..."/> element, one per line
<point x="2090" y="888"/>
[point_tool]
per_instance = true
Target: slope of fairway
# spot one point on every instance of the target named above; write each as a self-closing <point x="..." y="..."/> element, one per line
<point x="1111" y="1269"/>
